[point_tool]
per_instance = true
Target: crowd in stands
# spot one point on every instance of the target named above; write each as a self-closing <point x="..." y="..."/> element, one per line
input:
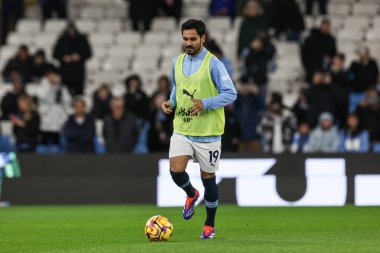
<point x="338" y="109"/>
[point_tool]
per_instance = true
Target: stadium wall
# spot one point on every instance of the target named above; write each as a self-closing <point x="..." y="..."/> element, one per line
<point x="282" y="180"/>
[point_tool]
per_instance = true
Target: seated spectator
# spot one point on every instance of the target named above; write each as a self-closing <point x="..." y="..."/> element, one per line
<point x="79" y="129"/>
<point x="223" y="8"/>
<point x="354" y="138"/>
<point x="231" y="136"/>
<point x="26" y="124"/>
<point x="101" y="100"/>
<point x="72" y="50"/>
<point x="322" y="4"/>
<point x="365" y="72"/>
<point x="161" y="125"/>
<point x="318" y="49"/>
<point x="215" y="49"/>
<point x="142" y="13"/>
<point x="40" y="66"/>
<point x="135" y="99"/>
<point x="300" y="139"/>
<point x="248" y="108"/>
<point x="325" y="137"/>
<point x="11" y="12"/>
<point x="170" y="8"/>
<point x="254" y="23"/>
<point x="54" y="103"/>
<point x="163" y="88"/>
<point x="301" y="107"/>
<point x="277" y="126"/>
<point x="369" y="114"/>
<point x="9" y="105"/>
<point x="120" y="130"/>
<point x="51" y="7"/>
<point x="22" y="64"/>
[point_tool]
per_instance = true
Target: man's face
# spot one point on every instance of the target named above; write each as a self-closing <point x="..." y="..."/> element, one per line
<point x="23" y="54"/>
<point x="192" y="42"/>
<point x="79" y="108"/>
<point x="326" y="27"/>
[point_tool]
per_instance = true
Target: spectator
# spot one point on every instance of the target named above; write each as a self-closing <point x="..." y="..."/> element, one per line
<point x="101" y="100"/>
<point x="72" y="50"/>
<point x="325" y="137"/>
<point x="354" y="138"/>
<point x="142" y="13"/>
<point x="231" y="136"/>
<point x="26" y="124"/>
<point x="79" y="129"/>
<point x="365" y="72"/>
<point x="322" y="4"/>
<point x="22" y="64"/>
<point x="40" y="66"/>
<point x="277" y="126"/>
<point x="54" y="102"/>
<point x="300" y="139"/>
<point x="287" y="19"/>
<point x="223" y="8"/>
<point x="369" y="114"/>
<point x="322" y="97"/>
<point x="9" y="104"/>
<point x="301" y="107"/>
<point x="170" y="8"/>
<point x="254" y="23"/>
<point x="49" y="7"/>
<point x="318" y="49"/>
<point x="248" y="108"/>
<point x="120" y="128"/>
<point x="215" y="49"/>
<point x="163" y="88"/>
<point x="136" y="100"/>
<point x="11" y="12"/>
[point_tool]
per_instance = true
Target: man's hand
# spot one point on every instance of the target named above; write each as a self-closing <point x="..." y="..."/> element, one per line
<point x="197" y="107"/>
<point x="167" y="107"/>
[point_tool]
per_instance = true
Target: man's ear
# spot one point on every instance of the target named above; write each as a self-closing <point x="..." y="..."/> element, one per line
<point x="203" y="39"/>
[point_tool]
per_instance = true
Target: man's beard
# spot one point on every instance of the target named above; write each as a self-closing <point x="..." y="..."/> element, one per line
<point x="195" y="50"/>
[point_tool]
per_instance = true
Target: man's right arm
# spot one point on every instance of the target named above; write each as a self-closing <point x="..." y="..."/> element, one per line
<point x="172" y="99"/>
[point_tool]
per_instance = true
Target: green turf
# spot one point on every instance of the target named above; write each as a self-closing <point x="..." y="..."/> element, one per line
<point x="116" y="229"/>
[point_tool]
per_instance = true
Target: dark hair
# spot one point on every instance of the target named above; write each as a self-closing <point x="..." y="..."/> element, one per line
<point x="341" y="56"/>
<point x="196" y="24"/>
<point x="130" y="78"/>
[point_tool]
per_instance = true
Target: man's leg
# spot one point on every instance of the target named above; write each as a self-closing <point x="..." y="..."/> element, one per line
<point x="211" y="197"/>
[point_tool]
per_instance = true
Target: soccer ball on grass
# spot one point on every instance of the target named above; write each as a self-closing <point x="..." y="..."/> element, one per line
<point x="158" y="228"/>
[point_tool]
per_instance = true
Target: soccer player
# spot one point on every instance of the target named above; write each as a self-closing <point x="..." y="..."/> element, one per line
<point x="201" y="88"/>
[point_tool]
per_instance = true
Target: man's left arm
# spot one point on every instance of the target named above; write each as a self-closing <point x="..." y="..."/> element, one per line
<point x="223" y="83"/>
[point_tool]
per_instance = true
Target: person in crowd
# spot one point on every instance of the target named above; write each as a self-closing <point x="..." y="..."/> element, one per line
<point x="300" y="139"/>
<point x="325" y="137"/>
<point x="54" y="102"/>
<point x="369" y="114"/>
<point x="248" y="109"/>
<point x="72" y="50"/>
<point x="301" y="107"/>
<point x="232" y="133"/>
<point x="26" y="124"/>
<point x="354" y="138"/>
<point x="364" y="72"/>
<point x="277" y="126"/>
<point x="142" y="13"/>
<point x="51" y="7"/>
<point x="322" y="4"/>
<point x="9" y="104"/>
<point x="318" y="49"/>
<point x="40" y="65"/>
<point x="120" y="130"/>
<point x="253" y="24"/>
<point x="22" y="64"/>
<point x="216" y="50"/>
<point x="170" y="8"/>
<point x="101" y="100"/>
<point x="135" y="98"/>
<point x="322" y="97"/>
<point x="286" y="19"/>
<point x="223" y="8"/>
<point x="79" y="129"/>
<point x="11" y="12"/>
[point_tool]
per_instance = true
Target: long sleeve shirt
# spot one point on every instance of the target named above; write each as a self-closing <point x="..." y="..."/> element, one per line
<point x="221" y="79"/>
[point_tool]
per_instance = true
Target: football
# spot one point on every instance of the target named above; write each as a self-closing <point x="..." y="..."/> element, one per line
<point x="158" y="228"/>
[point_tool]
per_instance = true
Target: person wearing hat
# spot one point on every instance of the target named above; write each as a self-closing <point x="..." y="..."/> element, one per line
<point x="325" y="137"/>
<point x="40" y="65"/>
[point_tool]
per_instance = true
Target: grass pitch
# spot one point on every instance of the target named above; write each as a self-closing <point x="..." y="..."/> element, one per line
<point x="113" y="229"/>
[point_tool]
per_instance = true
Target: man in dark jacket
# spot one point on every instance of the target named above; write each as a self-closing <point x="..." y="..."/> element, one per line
<point x="49" y="7"/>
<point x="79" y="129"/>
<point x="142" y="12"/>
<point x="135" y="99"/>
<point x="9" y="104"/>
<point x="318" y="49"/>
<point x="11" y="11"/>
<point x="22" y="63"/>
<point x="72" y="50"/>
<point x="120" y="129"/>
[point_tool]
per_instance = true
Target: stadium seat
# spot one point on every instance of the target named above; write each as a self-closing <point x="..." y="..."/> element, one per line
<point x="144" y="65"/>
<point x="92" y="12"/>
<point x="28" y="26"/>
<point x="376" y="147"/>
<point x="153" y="52"/>
<point x="102" y="39"/>
<point x="7" y="52"/>
<point x="118" y="90"/>
<point x="45" y="40"/>
<point x="365" y="9"/>
<point x="219" y="24"/>
<point x="128" y="39"/>
<point x="350" y="35"/>
<point x="376" y="22"/>
<point x="156" y="38"/>
<point x="339" y="9"/>
<point x="164" y="24"/>
<point x="55" y="26"/>
<point x="373" y="35"/>
<point x="110" y="26"/>
<point x="357" y="22"/>
<point x="120" y="52"/>
<point x="17" y="39"/>
<point x="87" y="26"/>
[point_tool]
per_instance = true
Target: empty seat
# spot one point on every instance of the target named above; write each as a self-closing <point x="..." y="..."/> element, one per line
<point x="19" y="38"/>
<point x="120" y="52"/>
<point x="365" y="9"/>
<point x="110" y="26"/>
<point x="164" y="24"/>
<point x="144" y="65"/>
<point x="357" y="22"/>
<point x="102" y="39"/>
<point x="128" y="39"/>
<point x="55" y="26"/>
<point x="350" y="35"/>
<point x="373" y="35"/>
<point x="376" y="22"/>
<point x="148" y="52"/>
<point x="154" y="38"/>
<point x="218" y="24"/>
<point x="94" y="12"/>
<point x="339" y="9"/>
<point x="87" y="26"/>
<point x="45" y="40"/>
<point x="28" y="26"/>
<point x="116" y="64"/>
